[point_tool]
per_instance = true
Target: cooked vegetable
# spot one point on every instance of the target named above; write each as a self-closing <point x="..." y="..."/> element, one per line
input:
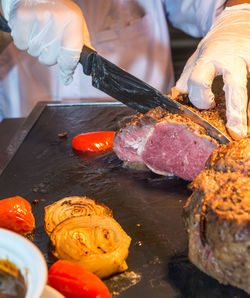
<point x="74" y="281"/>
<point x="94" y="141"/>
<point x="95" y="242"/>
<point x="16" y="215"/>
<point x="72" y="206"/>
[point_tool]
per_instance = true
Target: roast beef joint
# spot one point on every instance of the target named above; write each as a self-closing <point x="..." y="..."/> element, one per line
<point x="217" y="216"/>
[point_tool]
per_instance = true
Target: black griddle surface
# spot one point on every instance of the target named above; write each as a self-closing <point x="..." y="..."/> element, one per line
<point x="147" y="206"/>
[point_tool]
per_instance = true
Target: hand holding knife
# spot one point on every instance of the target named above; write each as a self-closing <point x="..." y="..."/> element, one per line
<point x="130" y="90"/>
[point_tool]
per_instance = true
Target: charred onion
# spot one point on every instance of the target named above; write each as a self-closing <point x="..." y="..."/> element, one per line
<point x="69" y="207"/>
<point x="96" y="242"/>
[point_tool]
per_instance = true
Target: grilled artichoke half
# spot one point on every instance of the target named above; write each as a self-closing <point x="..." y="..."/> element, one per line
<point x="69" y="207"/>
<point x="96" y="242"/>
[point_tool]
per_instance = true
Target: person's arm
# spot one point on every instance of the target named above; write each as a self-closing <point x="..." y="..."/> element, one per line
<point x="5" y="38"/>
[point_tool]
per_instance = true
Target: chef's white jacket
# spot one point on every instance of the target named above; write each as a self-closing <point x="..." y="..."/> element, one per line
<point x="131" y="33"/>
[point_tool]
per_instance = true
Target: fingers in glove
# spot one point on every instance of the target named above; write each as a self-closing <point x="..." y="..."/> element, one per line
<point x="43" y="41"/>
<point x="68" y="57"/>
<point x="200" y="82"/>
<point x="235" y="87"/>
<point x="71" y="47"/>
<point x="20" y="37"/>
<point x="48" y="55"/>
<point x="67" y="62"/>
<point x="46" y="45"/>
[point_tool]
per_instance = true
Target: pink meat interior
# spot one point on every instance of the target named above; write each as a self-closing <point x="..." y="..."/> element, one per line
<point x="173" y="148"/>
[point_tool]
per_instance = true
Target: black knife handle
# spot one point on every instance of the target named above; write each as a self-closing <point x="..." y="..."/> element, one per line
<point x="86" y="59"/>
<point x="4" y="25"/>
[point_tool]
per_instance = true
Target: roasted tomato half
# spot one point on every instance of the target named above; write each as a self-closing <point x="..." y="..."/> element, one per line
<point x="74" y="281"/>
<point x="94" y="141"/>
<point x="16" y="215"/>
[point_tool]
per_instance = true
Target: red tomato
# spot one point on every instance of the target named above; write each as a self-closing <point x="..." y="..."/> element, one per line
<point x="94" y="141"/>
<point x="74" y="281"/>
<point x="16" y="215"/>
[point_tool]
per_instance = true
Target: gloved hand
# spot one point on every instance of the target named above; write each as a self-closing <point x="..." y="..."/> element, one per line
<point x="52" y="30"/>
<point x="224" y="50"/>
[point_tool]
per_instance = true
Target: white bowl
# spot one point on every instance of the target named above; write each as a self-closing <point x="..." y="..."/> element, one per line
<point x="30" y="261"/>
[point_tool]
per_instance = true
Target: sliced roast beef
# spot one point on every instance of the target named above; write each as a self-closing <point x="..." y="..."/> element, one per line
<point x="165" y="143"/>
<point x="217" y="218"/>
<point x="130" y="139"/>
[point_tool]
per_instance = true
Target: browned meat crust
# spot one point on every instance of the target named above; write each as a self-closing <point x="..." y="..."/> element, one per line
<point x="217" y="216"/>
<point x="234" y="156"/>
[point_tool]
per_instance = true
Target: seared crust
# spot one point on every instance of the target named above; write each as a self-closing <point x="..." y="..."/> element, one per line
<point x="233" y="157"/>
<point x="225" y="213"/>
<point x="159" y="114"/>
<point x="230" y="203"/>
<point x="210" y="181"/>
<point x="163" y="115"/>
<point x="217" y="216"/>
<point x="218" y="197"/>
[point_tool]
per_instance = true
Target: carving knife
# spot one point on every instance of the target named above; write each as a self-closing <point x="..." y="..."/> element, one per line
<point x="3" y="25"/>
<point x="135" y="93"/>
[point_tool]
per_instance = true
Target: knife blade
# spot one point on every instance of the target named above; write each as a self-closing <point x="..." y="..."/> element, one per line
<point x="4" y="25"/>
<point x="135" y="93"/>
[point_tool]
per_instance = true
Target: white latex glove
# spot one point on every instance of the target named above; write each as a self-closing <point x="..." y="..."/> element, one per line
<point x="52" y="30"/>
<point x="224" y="50"/>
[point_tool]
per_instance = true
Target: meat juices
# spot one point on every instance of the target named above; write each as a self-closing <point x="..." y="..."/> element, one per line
<point x="165" y="143"/>
<point x="217" y="216"/>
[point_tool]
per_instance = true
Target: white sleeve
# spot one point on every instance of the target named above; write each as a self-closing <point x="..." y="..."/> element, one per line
<point x="195" y="17"/>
